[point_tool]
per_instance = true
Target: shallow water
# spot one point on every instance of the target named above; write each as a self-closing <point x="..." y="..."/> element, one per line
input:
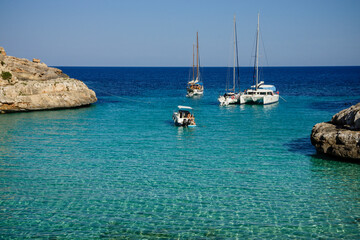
<point x="120" y="169"/>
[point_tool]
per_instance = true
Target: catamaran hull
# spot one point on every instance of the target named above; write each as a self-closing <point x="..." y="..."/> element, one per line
<point x="262" y="100"/>
<point x="241" y="99"/>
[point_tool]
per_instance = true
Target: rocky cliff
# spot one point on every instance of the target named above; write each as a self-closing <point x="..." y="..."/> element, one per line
<point x="341" y="136"/>
<point x="26" y="85"/>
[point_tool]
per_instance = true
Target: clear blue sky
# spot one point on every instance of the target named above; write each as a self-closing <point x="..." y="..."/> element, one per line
<point x="161" y="32"/>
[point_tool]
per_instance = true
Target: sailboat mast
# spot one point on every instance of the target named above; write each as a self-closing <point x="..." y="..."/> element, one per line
<point x="197" y="56"/>
<point x="257" y="54"/>
<point x="237" y="60"/>
<point x="193" y="61"/>
<point x="234" y="56"/>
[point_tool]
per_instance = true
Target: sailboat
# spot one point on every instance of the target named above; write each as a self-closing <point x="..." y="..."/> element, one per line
<point x="231" y="96"/>
<point x="259" y="93"/>
<point x="195" y="86"/>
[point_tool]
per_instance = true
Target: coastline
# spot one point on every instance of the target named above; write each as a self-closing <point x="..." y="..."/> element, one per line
<point x="29" y="86"/>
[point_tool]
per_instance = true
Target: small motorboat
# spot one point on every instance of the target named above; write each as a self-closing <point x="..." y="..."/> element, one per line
<point x="184" y="117"/>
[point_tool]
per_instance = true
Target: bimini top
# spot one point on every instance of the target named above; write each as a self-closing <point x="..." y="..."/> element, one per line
<point x="268" y="87"/>
<point x="184" y="107"/>
<point x="261" y="85"/>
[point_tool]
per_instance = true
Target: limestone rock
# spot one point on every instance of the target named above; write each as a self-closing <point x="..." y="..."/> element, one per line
<point x="2" y="51"/>
<point x="35" y="86"/>
<point x="348" y="117"/>
<point x="341" y="136"/>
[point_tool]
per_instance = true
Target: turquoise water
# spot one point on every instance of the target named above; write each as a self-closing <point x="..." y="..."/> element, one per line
<point x="120" y="169"/>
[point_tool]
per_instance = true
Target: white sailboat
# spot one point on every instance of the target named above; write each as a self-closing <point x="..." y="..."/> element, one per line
<point x="260" y="93"/>
<point x="195" y="86"/>
<point x="231" y="96"/>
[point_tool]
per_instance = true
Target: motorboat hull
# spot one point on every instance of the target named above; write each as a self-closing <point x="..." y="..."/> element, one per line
<point x="181" y="121"/>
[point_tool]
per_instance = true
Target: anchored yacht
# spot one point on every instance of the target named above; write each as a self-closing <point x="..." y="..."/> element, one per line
<point x="259" y="93"/>
<point x="195" y="86"/>
<point x="231" y="96"/>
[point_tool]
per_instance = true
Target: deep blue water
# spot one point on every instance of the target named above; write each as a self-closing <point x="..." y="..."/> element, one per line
<point x="120" y="169"/>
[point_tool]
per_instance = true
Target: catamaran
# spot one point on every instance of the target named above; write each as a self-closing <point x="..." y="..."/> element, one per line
<point x="195" y="86"/>
<point x="184" y="117"/>
<point x="231" y="96"/>
<point x="259" y="93"/>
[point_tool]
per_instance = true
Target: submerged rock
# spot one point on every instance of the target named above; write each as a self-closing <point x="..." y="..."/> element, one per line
<point x="27" y="85"/>
<point x="341" y="136"/>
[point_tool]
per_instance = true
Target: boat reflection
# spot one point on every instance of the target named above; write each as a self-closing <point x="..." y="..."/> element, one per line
<point x="257" y="106"/>
<point x="185" y="132"/>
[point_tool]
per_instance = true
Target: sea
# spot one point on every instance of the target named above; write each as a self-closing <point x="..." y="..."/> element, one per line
<point x="120" y="169"/>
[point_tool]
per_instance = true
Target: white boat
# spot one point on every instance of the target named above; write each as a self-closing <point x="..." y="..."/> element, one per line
<point x="231" y="96"/>
<point x="184" y="117"/>
<point x="195" y="86"/>
<point x="259" y="93"/>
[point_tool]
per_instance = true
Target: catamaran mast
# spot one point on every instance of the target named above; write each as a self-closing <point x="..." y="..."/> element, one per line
<point x="234" y="56"/>
<point x="193" y="62"/>
<point x="197" y="56"/>
<point x="237" y="60"/>
<point x="257" y="54"/>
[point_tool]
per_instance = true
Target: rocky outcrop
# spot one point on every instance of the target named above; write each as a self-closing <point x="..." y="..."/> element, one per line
<point x="2" y="51"/>
<point x="26" y="85"/>
<point x="349" y="117"/>
<point x="341" y="136"/>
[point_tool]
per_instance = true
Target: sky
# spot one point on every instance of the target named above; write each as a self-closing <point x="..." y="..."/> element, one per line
<point x="162" y="32"/>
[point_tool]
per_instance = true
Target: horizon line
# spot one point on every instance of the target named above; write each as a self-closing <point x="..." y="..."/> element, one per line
<point x="205" y="66"/>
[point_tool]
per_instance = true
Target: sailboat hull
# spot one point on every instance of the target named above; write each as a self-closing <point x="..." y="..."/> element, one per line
<point x="229" y="99"/>
<point x="193" y="92"/>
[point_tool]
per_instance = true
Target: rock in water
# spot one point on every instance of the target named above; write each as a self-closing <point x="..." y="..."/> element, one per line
<point x="341" y="136"/>
<point x="26" y="85"/>
<point x="349" y="117"/>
